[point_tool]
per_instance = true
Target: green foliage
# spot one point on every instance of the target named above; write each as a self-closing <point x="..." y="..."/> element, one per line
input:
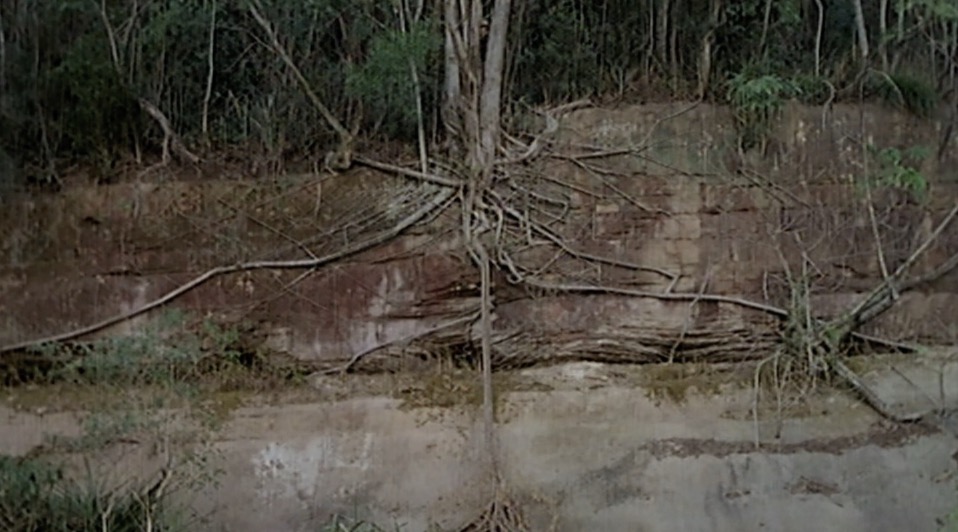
<point x="384" y="81"/>
<point x="92" y="109"/>
<point x="559" y="58"/>
<point x="907" y="91"/>
<point x="811" y="89"/>
<point x="757" y="102"/>
<point x="899" y="169"/>
<point x="37" y="496"/>
<point x="950" y="522"/>
<point x="67" y="94"/>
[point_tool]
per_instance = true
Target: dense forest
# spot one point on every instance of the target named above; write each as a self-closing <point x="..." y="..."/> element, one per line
<point x="94" y="81"/>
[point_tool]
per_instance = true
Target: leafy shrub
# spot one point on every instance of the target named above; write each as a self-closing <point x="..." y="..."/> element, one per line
<point x="164" y="353"/>
<point x="812" y="90"/>
<point x="899" y="169"/>
<point x="141" y="387"/>
<point x="906" y="91"/>
<point x="35" y="496"/>
<point x="757" y="102"/>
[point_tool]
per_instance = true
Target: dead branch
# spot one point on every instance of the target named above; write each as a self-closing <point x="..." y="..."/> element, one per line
<point x="670" y="296"/>
<point x="431" y="178"/>
<point x="382" y="237"/>
<point x="661" y="120"/>
<point x="679" y="296"/>
<point x="883" y="296"/>
<point x="943" y="269"/>
<point x="535" y="147"/>
<point x="170" y="138"/>
<point x="759" y="179"/>
<point x="356" y="358"/>
<point x="870" y="397"/>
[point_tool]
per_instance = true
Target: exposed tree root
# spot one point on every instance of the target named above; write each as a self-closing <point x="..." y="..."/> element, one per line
<point x="500" y="515"/>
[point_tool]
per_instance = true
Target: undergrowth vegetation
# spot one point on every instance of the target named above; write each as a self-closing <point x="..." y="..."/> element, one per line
<point x="37" y="496"/>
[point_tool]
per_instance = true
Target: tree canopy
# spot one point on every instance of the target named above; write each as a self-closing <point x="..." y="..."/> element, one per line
<point x="73" y="71"/>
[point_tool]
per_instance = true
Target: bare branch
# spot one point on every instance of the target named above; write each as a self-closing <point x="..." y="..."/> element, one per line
<point x="170" y="138"/>
<point x="883" y="296"/>
<point x="431" y="178"/>
<point x="345" y="137"/>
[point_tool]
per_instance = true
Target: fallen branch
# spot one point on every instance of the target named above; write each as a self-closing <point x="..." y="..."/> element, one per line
<point x="356" y="358"/>
<point x="678" y="296"/>
<point x="869" y="396"/>
<point x="431" y="178"/>
<point x="592" y="171"/>
<point x="384" y="236"/>
<point x="883" y="296"/>
<point x="170" y="138"/>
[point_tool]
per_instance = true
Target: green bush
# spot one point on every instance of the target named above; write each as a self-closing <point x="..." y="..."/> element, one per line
<point x="757" y="101"/>
<point x="949" y="523"/>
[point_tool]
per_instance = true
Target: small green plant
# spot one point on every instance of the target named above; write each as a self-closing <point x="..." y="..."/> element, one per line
<point x="757" y="102"/>
<point x="898" y="169"/>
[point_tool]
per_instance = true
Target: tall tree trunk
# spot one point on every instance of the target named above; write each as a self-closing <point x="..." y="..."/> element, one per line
<point x="479" y="107"/>
<point x="883" y="33"/>
<point x="818" y="37"/>
<point x="705" y="56"/>
<point x="474" y="80"/>
<point x="650" y="45"/>
<point x="766" y="22"/>
<point x="662" y="34"/>
<point x="490" y="105"/>
<point x="452" y="87"/>
<point x="860" y="29"/>
<point x="674" y="47"/>
<point x="900" y="13"/>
